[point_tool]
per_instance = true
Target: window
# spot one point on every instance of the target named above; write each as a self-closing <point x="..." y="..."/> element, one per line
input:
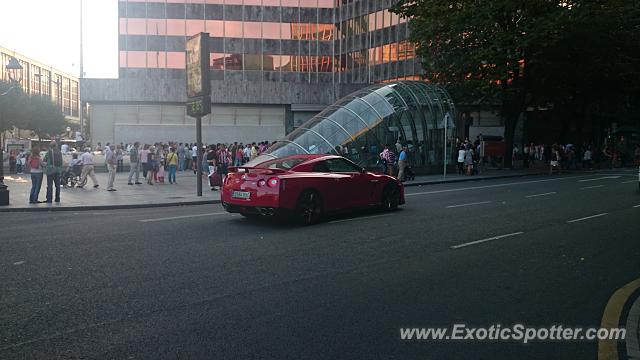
<point x="194" y="27"/>
<point x="156" y="26"/>
<point x="336" y="166"/>
<point x="215" y="28"/>
<point x="136" y="27"/>
<point x="271" y="30"/>
<point x="175" y="27"/>
<point x="233" y="29"/>
<point x="252" y="30"/>
<point x="176" y="60"/>
<point x="285" y="164"/>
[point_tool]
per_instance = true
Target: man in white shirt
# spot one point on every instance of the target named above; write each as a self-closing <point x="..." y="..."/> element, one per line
<point x="64" y="148"/>
<point x="87" y="169"/>
<point x="194" y="157"/>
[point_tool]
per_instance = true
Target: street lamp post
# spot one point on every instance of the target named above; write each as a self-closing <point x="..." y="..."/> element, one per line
<point x="15" y="78"/>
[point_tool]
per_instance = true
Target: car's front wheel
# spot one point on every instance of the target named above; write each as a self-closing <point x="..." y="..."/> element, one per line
<point x="390" y="198"/>
<point x="309" y="207"/>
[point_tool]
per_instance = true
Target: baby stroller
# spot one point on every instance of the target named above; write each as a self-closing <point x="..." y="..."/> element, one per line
<point x="71" y="177"/>
<point x="409" y="175"/>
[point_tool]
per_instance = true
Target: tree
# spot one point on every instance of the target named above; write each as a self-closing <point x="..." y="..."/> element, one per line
<point x="514" y="53"/>
<point x="44" y="117"/>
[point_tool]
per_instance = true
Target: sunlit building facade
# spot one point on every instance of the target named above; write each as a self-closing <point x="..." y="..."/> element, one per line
<point x="273" y="64"/>
<point x="41" y="79"/>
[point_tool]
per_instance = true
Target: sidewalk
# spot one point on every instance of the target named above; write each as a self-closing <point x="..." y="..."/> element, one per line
<point x="160" y="195"/>
<point x="127" y="196"/>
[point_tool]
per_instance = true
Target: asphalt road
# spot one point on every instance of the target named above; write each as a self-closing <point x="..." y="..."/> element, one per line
<point x="198" y="283"/>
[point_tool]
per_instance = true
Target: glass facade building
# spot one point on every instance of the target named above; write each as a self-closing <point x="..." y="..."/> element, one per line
<point x="274" y="64"/>
<point x="361" y="124"/>
<point x="314" y="41"/>
<point x="40" y="79"/>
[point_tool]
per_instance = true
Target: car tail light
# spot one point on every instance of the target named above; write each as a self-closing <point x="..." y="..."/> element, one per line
<point x="273" y="182"/>
<point x="261" y="182"/>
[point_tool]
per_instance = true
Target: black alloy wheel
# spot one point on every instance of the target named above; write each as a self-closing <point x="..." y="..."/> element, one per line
<point x="390" y="198"/>
<point x="309" y="208"/>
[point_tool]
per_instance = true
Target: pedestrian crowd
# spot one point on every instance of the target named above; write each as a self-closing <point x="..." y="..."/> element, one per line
<point x="155" y="162"/>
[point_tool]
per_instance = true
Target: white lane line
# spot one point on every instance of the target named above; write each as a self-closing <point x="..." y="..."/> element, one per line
<point x="591" y="187"/>
<point x="600" y="178"/>
<point x="628" y="181"/>
<point x="493" y="186"/>
<point x="587" y="218"/>
<point x="180" y="217"/>
<point x="357" y="218"/>
<point x="637" y="206"/>
<point x="469" y="204"/>
<point x="485" y="240"/>
<point x="545" y="194"/>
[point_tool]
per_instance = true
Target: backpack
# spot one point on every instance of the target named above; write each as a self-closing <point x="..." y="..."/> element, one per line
<point x="32" y="163"/>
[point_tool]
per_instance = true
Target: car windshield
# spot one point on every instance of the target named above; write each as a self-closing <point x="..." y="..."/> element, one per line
<point x="284" y="164"/>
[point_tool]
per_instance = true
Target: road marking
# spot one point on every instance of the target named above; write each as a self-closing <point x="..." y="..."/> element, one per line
<point x="587" y="218"/>
<point x="591" y="187"/>
<point x="357" y="218"/>
<point x="637" y="206"/>
<point x="469" y="204"/>
<point x="495" y="185"/>
<point x="628" y="182"/>
<point x="608" y="349"/>
<point x="600" y="178"/>
<point x="180" y="217"/>
<point x="545" y="194"/>
<point x="485" y="240"/>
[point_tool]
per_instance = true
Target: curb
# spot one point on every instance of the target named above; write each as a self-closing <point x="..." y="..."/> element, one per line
<point x="208" y="202"/>
<point x="110" y="207"/>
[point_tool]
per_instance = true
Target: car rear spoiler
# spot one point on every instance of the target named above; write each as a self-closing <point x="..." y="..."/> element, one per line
<point x="256" y="170"/>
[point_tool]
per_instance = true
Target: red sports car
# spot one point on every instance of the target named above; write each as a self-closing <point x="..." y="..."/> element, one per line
<point x="307" y="187"/>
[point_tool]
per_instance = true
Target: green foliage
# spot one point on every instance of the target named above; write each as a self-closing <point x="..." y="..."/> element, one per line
<point x="574" y="56"/>
<point x="36" y="113"/>
<point x="44" y="117"/>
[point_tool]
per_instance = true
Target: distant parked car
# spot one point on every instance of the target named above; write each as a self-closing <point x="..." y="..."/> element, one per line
<point x="307" y="187"/>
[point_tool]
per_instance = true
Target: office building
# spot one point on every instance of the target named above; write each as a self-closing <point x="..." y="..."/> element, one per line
<point x="273" y="65"/>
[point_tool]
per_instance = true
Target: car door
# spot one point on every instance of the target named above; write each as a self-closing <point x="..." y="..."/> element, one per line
<point x="354" y="183"/>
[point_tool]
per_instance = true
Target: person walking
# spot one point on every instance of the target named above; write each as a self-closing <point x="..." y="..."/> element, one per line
<point x="87" y="169"/>
<point x="111" y="160"/>
<point x="194" y="157"/>
<point x="134" y="164"/>
<point x="151" y="165"/>
<point x="181" y="157"/>
<point x="402" y="162"/>
<point x="53" y="161"/>
<point x="119" y="158"/>
<point x="172" y="165"/>
<point x="34" y="165"/>
<point x="468" y="160"/>
<point x="143" y="155"/>
<point x="461" y="153"/>
<point x="224" y="159"/>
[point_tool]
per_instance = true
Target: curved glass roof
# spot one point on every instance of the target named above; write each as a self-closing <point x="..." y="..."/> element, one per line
<point x="359" y="125"/>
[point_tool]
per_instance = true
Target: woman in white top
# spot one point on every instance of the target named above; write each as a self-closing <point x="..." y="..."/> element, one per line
<point x="461" y="153"/>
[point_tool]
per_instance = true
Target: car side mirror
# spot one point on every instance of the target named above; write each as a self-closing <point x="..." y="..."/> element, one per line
<point x="363" y="170"/>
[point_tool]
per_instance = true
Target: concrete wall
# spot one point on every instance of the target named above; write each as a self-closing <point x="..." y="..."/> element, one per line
<point x="149" y="123"/>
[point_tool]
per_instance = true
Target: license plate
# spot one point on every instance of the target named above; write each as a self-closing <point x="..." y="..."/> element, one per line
<point x="241" y="195"/>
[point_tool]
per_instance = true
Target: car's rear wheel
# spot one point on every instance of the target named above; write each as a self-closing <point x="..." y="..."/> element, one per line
<point x="390" y="198"/>
<point x="309" y="207"/>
